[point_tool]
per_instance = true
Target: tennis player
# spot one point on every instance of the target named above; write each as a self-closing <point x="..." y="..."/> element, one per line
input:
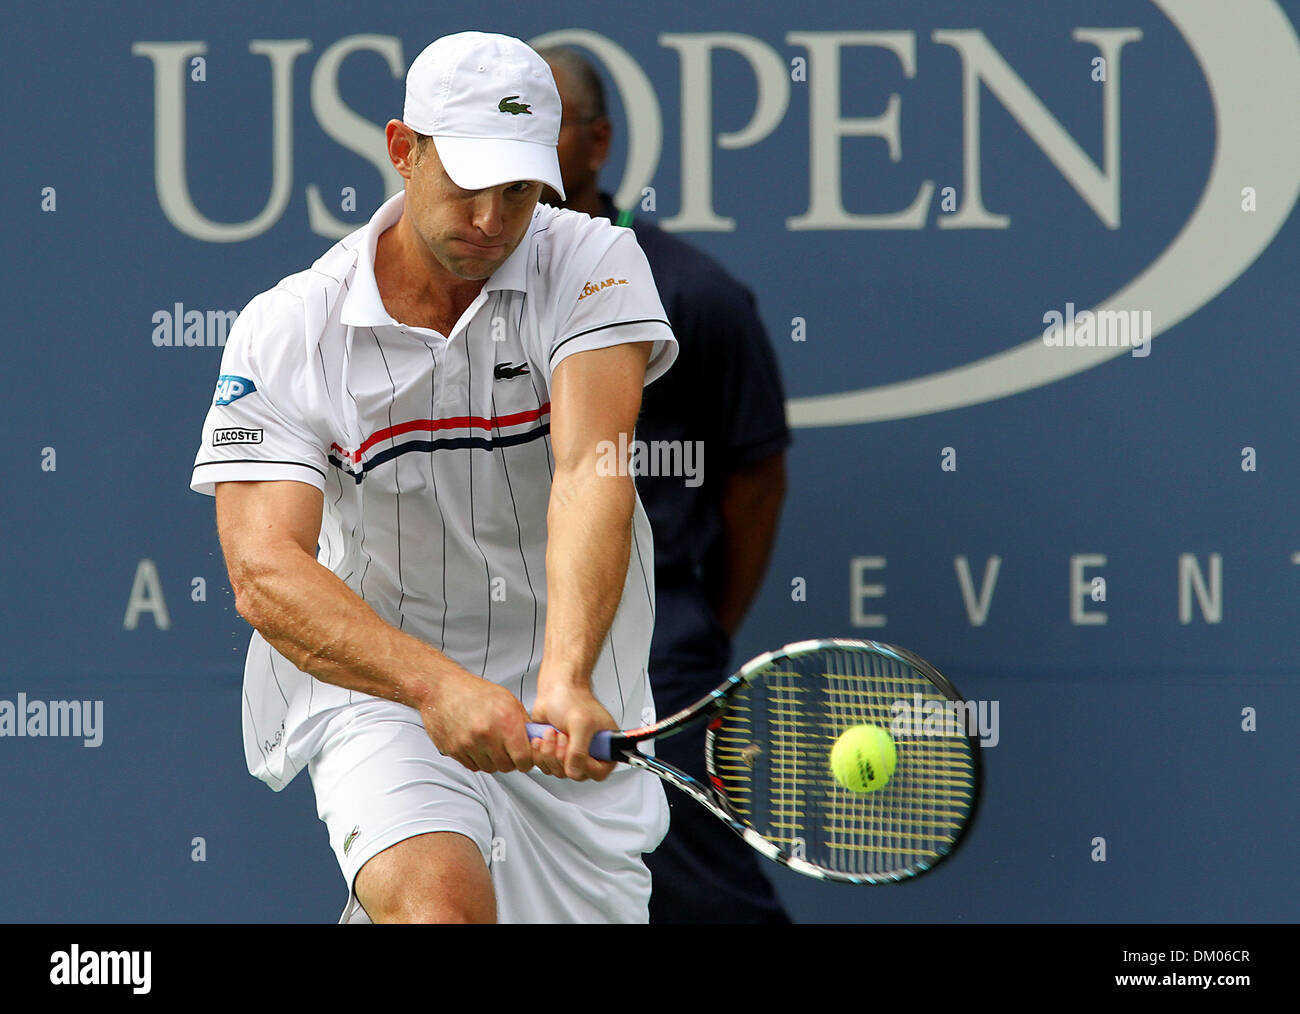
<point x="409" y="451"/>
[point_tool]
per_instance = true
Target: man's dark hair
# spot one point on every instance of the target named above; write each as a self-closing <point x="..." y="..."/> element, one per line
<point x="591" y="91"/>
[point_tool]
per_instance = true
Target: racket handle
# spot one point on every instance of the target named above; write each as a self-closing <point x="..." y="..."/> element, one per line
<point x="599" y="742"/>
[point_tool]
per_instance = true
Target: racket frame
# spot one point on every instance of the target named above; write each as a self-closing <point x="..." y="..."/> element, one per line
<point x="623" y="746"/>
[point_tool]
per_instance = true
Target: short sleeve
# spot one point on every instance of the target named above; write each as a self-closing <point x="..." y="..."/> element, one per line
<point x="256" y="428"/>
<point x="752" y="421"/>
<point x="613" y="302"/>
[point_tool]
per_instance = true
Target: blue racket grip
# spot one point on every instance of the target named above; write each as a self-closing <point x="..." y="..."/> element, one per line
<point x="599" y="742"/>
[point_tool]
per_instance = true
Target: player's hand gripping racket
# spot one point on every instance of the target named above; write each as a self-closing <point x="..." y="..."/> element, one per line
<point x="772" y="726"/>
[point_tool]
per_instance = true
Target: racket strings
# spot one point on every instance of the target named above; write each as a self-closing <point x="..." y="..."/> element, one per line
<point x="771" y="752"/>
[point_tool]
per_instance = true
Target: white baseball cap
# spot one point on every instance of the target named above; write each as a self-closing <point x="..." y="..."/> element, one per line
<point x="491" y="106"/>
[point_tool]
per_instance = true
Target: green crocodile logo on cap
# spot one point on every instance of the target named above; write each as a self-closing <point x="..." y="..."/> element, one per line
<point x="513" y="108"/>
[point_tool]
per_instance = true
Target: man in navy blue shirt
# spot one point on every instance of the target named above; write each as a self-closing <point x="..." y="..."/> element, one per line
<point x="712" y="538"/>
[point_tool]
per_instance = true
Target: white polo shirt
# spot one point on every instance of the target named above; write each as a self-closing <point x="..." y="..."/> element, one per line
<point x="434" y="456"/>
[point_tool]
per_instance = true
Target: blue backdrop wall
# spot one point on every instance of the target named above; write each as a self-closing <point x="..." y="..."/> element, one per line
<point x="1100" y="543"/>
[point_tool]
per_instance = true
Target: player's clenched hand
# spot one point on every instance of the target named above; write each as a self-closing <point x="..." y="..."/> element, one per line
<point x="578" y="716"/>
<point x="478" y="723"/>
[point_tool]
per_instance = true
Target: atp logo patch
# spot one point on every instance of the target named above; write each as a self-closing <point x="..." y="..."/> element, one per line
<point x="231" y="388"/>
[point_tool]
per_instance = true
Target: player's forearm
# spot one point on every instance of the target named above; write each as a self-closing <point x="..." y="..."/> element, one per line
<point x="589" y="540"/>
<point x="309" y="615"/>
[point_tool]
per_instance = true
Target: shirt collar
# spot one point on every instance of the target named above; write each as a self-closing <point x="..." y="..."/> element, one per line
<point x="363" y="307"/>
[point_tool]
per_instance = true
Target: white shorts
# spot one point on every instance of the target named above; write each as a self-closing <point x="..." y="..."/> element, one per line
<point x="558" y="851"/>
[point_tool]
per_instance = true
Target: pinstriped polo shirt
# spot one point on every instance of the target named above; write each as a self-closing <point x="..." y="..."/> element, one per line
<point x="434" y="457"/>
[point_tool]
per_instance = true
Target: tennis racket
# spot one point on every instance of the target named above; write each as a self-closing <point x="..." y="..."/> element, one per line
<point x="767" y="752"/>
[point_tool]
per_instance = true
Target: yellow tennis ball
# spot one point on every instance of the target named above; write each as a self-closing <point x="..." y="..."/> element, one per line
<point x="863" y="758"/>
